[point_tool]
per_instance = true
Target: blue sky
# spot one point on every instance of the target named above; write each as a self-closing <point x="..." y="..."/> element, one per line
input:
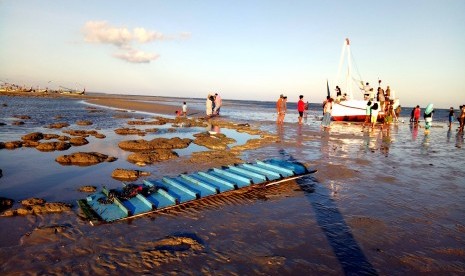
<point x="250" y="50"/>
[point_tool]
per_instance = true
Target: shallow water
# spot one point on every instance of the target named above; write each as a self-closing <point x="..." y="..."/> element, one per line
<point x="381" y="202"/>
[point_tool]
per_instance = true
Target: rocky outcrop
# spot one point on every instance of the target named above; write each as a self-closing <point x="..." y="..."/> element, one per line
<point x="52" y="146"/>
<point x="143" y="158"/>
<point x="22" y="117"/>
<point x="78" y="141"/>
<point x="30" y="144"/>
<point x="84" y="133"/>
<point x="34" y="136"/>
<point x="157" y="143"/>
<point x="130" y="131"/>
<point x="58" y="125"/>
<point x="84" y="123"/>
<point x="87" y="189"/>
<point x="5" y="203"/>
<point x="51" y="136"/>
<point x="13" y="144"/>
<point x="157" y="122"/>
<point x="129" y="175"/>
<point x="84" y="158"/>
<point x="214" y="158"/>
<point x="38" y="206"/>
<point x="217" y="141"/>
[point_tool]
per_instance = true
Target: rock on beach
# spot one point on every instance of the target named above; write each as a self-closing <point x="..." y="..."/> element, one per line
<point x="84" y="158"/>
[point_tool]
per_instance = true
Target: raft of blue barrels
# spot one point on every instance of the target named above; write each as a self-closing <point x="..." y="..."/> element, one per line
<point x="158" y="194"/>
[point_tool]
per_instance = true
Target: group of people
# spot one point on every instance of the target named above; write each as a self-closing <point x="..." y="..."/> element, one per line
<point x="382" y="96"/>
<point x="460" y="117"/>
<point x="281" y="108"/>
<point x="213" y="105"/>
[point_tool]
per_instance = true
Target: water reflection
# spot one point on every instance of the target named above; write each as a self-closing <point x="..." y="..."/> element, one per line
<point x="414" y="130"/>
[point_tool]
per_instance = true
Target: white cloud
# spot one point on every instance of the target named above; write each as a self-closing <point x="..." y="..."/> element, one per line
<point x="123" y="38"/>
<point x="101" y="32"/>
<point x="136" y="56"/>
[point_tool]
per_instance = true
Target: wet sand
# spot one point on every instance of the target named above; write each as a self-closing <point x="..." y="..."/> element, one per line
<point x="381" y="203"/>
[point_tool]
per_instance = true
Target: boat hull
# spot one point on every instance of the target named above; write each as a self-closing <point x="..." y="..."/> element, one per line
<point x="353" y="111"/>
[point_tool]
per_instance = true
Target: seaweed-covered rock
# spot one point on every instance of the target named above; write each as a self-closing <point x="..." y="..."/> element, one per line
<point x="84" y="158"/>
<point x="38" y="206"/>
<point x="22" y="117"/>
<point x="87" y="189"/>
<point x="152" y="156"/>
<point x="217" y="141"/>
<point x="58" y="125"/>
<point x="130" y="175"/>
<point x="51" y="136"/>
<point x="157" y="143"/>
<point x="33" y="136"/>
<point x="78" y="141"/>
<point x="215" y="158"/>
<point x="84" y="123"/>
<point x="130" y="131"/>
<point x="82" y="133"/>
<point x="52" y="146"/>
<point x="30" y="143"/>
<point x="5" y="203"/>
<point x="13" y="144"/>
<point x="32" y="201"/>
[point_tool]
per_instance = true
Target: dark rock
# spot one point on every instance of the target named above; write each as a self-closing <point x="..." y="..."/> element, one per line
<point x="34" y="136"/>
<point x="58" y="125"/>
<point x="5" y="203"/>
<point x="131" y="175"/>
<point x="78" y="141"/>
<point x="151" y="157"/>
<point x="13" y="144"/>
<point x="32" y="201"/>
<point x="216" y="142"/>
<point x="84" y="158"/>
<point x="52" y="146"/>
<point x="51" y="136"/>
<point x="17" y="123"/>
<point x="157" y="143"/>
<point x="87" y="189"/>
<point x="130" y="131"/>
<point x="22" y="117"/>
<point x="84" y="123"/>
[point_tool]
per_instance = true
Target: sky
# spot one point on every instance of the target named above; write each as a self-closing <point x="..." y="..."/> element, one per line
<point x="245" y="50"/>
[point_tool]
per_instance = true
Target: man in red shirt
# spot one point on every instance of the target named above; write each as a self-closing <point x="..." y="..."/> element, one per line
<point x="301" y="108"/>
<point x="416" y="114"/>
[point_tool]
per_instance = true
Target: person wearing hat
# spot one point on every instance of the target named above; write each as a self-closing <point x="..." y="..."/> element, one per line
<point x="281" y="108"/>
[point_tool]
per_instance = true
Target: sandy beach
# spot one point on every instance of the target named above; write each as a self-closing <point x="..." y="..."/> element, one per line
<point x="382" y="202"/>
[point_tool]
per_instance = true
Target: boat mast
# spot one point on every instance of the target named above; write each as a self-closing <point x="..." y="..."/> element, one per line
<point x="349" y="70"/>
<point x="348" y="79"/>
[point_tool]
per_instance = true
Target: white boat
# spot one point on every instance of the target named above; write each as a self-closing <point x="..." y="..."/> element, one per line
<point x="353" y="109"/>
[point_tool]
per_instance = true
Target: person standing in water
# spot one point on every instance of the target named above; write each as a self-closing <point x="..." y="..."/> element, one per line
<point x="218" y="104"/>
<point x="451" y="116"/>
<point x="301" y="108"/>
<point x="327" y="108"/>
<point x="280" y="109"/>
<point x="184" y="109"/>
